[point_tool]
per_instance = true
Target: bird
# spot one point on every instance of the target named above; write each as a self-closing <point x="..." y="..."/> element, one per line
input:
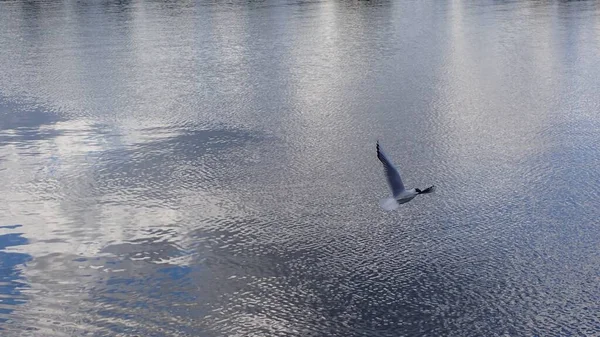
<point x="400" y="195"/>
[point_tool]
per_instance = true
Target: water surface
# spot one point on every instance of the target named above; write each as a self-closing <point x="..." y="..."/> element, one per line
<point x="208" y="168"/>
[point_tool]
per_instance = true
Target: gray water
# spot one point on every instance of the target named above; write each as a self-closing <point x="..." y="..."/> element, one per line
<point x="208" y="168"/>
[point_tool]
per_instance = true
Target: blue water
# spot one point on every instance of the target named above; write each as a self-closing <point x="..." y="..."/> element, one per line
<point x="208" y="168"/>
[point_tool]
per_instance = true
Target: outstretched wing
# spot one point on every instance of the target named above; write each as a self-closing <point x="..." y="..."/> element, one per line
<point x="429" y="189"/>
<point x="392" y="173"/>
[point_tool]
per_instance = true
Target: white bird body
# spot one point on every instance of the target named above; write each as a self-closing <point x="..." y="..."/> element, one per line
<point x="406" y="196"/>
<point x="400" y="195"/>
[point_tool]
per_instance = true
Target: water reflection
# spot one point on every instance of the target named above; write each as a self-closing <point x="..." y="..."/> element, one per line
<point x="207" y="168"/>
<point x="12" y="282"/>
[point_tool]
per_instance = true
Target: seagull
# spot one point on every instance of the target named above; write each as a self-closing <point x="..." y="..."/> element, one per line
<point x="400" y="195"/>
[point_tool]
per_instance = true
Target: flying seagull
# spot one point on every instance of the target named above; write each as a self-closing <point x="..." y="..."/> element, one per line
<point x="400" y="195"/>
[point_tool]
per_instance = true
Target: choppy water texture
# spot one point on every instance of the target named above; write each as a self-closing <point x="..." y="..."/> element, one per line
<point x="208" y="168"/>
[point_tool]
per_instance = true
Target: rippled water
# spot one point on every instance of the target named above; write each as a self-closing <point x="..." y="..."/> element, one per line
<point x="207" y="168"/>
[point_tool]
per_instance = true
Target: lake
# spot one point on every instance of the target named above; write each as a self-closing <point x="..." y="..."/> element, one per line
<point x="208" y="168"/>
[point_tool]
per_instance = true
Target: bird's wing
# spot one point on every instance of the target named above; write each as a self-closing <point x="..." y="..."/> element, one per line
<point x="392" y="173"/>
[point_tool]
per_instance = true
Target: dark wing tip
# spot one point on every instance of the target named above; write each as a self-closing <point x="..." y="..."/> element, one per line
<point x="429" y="189"/>
<point x="380" y="154"/>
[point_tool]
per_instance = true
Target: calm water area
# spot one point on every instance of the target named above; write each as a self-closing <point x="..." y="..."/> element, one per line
<point x="208" y="168"/>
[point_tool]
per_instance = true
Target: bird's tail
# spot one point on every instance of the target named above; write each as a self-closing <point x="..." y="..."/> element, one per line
<point x="389" y="204"/>
<point x="429" y="189"/>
